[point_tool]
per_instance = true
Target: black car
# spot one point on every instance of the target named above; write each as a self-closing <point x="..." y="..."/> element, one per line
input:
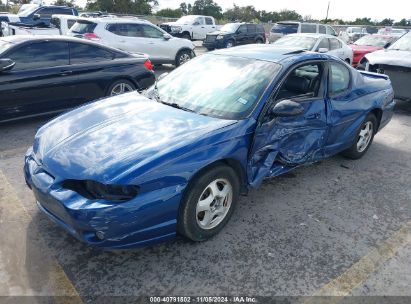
<point x="233" y="34"/>
<point x="40" y="74"/>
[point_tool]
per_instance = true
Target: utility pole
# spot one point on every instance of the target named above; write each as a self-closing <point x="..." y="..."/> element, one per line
<point x="328" y="9"/>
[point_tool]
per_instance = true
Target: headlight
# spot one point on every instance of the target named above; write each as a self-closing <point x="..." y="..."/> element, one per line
<point x="219" y="37"/>
<point x="176" y="29"/>
<point x="95" y="190"/>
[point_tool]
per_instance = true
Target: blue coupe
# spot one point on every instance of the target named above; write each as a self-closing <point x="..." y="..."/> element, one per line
<point x="135" y="169"/>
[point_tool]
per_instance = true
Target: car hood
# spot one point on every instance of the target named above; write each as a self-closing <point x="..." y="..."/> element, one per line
<point x="365" y="48"/>
<point x="176" y="24"/>
<point x="216" y="33"/>
<point x="390" y="57"/>
<point x="103" y="139"/>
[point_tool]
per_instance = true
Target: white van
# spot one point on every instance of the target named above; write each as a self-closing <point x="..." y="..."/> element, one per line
<point x="283" y="28"/>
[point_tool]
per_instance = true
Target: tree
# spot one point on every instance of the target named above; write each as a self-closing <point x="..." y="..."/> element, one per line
<point x="69" y="3"/>
<point x="386" y="22"/>
<point x="185" y="8"/>
<point x="207" y="8"/>
<point x="138" y="7"/>
<point x="171" y="13"/>
<point x="362" y="21"/>
<point x="403" y="22"/>
<point x="243" y="13"/>
<point x="289" y="15"/>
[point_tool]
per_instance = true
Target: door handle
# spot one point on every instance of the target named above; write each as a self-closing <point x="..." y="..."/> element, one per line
<point x="313" y="116"/>
<point x="65" y="73"/>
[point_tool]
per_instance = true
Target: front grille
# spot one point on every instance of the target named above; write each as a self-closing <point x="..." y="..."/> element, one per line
<point x="210" y="38"/>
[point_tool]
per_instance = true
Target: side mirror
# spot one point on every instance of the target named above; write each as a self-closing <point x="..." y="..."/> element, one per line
<point x="167" y="36"/>
<point x="323" y="50"/>
<point x="287" y="108"/>
<point x="36" y="17"/>
<point x="387" y="45"/>
<point x="6" y="65"/>
<point x="162" y="76"/>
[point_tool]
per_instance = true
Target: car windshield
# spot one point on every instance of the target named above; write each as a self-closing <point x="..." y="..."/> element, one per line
<point x="230" y="28"/>
<point x="4" y="46"/>
<point x="26" y="7"/>
<point x="373" y="41"/>
<point x="297" y="41"/>
<point x="82" y="27"/>
<point x="218" y="85"/>
<point x="186" y="20"/>
<point x="403" y="44"/>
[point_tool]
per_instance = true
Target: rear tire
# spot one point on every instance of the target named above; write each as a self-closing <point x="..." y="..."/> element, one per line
<point x="119" y="87"/>
<point x="364" y="138"/>
<point x="186" y="36"/>
<point x="208" y="203"/>
<point x="259" y="41"/>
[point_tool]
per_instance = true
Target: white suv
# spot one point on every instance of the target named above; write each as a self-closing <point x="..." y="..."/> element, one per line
<point x="135" y="36"/>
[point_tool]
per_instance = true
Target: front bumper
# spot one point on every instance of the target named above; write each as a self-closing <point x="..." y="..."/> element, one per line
<point x="216" y="44"/>
<point x="149" y="218"/>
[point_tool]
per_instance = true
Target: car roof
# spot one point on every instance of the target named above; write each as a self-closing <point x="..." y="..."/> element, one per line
<point x="268" y="52"/>
<point x="113" y="19"/>
<point x="313" y="35"/>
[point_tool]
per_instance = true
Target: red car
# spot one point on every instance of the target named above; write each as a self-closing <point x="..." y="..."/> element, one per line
<point x="369" y="44"/>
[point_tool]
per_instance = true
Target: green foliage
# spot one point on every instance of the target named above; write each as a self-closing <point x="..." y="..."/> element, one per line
<point x="403" y="22"/>
<point x="138" y="7"/>
<point x="186" y="8"/>
<point x="70" y="3"/>
<point x="249" y="13"/>
<point x="386" y="22"/>
<point x="207" y="8"/>
<point x="171" y="13"/>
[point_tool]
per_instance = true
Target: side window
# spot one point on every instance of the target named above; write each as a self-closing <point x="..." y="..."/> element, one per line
<point x="151" y="32"/>
<point x="242" y="29"/>
<point x="335" y="44"/>
<point x="199" y="21"/>
<point x="46" y="54"/>
<point x="321" y="29"/>
<point x="308" y="28"/>
<point x="260" y="29"/>
<point x="251" y="28"/>
<point x="330" y="31"/>
<point x="70" y="23"/>
<point x="45" y="12"/>
<point x="323" y="44"/>
<point x="125" y="29"/>
<point x="339" y="78"/>
<point x="302" y="83"/>
<point x="62" y="11"/>
<point x="83" y="53"/>
<point x="208" y="21"/>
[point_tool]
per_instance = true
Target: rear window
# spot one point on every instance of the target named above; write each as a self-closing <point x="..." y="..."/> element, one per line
<point x="81" y="27"/>
<point x="260" y="28"/>
<point x="251" y="28"/>
<point x="308" y="28"/>
<point x="285" y="28"/>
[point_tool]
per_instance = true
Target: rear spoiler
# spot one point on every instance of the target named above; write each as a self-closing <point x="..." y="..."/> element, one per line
<point x="375" y="75"/>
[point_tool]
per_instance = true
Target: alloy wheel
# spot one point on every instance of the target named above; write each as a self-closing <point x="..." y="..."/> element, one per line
<point x="365" y="136"/>
<point x="184" y="57"/>
<point x="120" y="88"/>
<point x="214" y="203"/>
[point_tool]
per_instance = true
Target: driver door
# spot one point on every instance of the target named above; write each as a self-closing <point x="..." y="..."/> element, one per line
<point x="281" y="143"/>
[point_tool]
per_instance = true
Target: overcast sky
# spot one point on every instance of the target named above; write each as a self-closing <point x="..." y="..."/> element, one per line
<point x="344" y="9"/>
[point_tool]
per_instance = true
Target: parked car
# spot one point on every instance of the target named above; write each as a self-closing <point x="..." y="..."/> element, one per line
<point x="41" y="15"/>
<point x="135" y="36"/>
<point x="392" y="31"/>
<point x="191" y="27"/>
<point x="5" y="18"/>
<point x="182" y="158"/>
<point x="353" y="33"/>
<point x="369" y="44"/>
<point x="395" y="62"/>
<point x="40" y="74"/>
<point x="318" y="43"/>
<point x="233" y="34"/>
<point x="59" y="25"/>
<point x="281" y="29"/>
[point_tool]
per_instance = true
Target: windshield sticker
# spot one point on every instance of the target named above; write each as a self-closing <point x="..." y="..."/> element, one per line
<point x="242" y="100"/>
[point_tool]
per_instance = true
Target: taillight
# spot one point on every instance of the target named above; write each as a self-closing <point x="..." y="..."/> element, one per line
<point x="149" y="66"/>
<point x="91" y="36"/>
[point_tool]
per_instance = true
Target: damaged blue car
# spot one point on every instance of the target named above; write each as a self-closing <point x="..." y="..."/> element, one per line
<point x="136" y="169"/>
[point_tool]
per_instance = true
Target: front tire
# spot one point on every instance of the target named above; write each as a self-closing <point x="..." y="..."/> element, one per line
<point x="208" y="203"/>
<point x="183" y="56"/>
<point x="186" y="36"/>
<point x="229" y="44"/>
<point x="364" y="138"/>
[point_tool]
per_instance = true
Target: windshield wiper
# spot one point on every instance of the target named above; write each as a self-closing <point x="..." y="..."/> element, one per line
<point x="176" y="105"/>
